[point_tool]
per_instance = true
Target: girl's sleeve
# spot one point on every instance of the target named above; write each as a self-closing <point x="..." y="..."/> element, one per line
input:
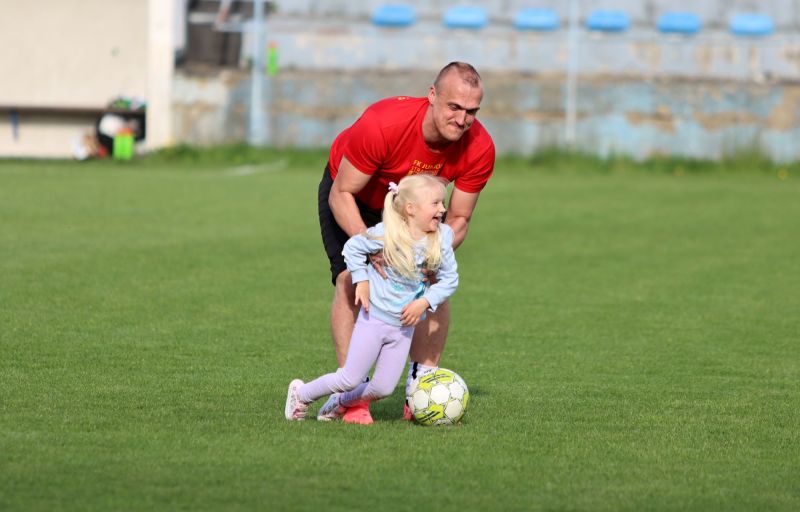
<point x="355" y="255"/>
<point x="447" y="276"/>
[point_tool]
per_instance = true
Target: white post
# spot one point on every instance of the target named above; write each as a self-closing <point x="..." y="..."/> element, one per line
<point x="160" y="71"/>
<point x="572" y="74"/>
<point x="258" y="129"/>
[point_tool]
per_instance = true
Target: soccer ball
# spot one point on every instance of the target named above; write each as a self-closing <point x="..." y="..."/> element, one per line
<point x="438" y="398"/>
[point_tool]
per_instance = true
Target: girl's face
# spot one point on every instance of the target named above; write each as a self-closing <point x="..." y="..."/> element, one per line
<point x="425" y="215"/>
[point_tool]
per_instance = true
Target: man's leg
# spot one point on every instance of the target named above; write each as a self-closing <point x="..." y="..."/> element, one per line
<point x="430" y="336"/>
<point x="343" y="315"/>
<point x="427" y="346"/>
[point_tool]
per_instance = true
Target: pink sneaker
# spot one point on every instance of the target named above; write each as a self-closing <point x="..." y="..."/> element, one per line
<point x="358" y="414"/>
<point x="407" y="413"/>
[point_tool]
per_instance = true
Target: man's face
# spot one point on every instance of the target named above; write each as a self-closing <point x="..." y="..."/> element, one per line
<point x="454" y="106"/>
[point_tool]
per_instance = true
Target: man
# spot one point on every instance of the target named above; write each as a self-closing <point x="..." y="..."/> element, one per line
<point x="395" y="137"/>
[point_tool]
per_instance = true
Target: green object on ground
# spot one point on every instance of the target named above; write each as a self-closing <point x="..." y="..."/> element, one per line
<point x="272" y="59"/>
<point x="123" y="146"/>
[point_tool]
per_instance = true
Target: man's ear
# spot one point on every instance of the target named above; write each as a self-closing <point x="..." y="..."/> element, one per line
<point x="431" y="95"/>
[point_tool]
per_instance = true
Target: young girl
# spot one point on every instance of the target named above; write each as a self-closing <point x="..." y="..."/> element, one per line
<point x="413" y="239"/>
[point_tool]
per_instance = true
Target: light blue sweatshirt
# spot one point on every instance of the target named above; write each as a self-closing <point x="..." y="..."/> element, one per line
<point x="387" y="297"/>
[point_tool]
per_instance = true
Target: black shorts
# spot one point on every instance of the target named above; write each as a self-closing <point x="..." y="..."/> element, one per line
<point x="333" y="237"/>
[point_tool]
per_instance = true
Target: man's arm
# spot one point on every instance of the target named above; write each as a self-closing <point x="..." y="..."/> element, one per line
<point x="459" y="213"/>
<point x="349" y="181"/>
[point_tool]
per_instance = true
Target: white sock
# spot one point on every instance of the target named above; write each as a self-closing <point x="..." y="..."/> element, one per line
<point x="416" y="370"/>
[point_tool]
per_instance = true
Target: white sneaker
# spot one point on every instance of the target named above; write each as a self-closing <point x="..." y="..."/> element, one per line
<point x="296" y="409"/>
<point x="331" y="410"/>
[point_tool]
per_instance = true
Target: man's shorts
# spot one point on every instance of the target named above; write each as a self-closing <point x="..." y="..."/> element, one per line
<point x="333" y="237"/>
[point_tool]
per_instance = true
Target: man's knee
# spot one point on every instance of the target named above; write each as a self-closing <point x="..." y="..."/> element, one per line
<point x="434" y="326"/>
<point x="344" y="284"/>
<point x="430" y="337"/>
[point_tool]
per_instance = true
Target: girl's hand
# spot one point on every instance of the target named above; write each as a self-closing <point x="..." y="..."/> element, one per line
<point x="413" y="311"/>
<point x="362" y="294"/>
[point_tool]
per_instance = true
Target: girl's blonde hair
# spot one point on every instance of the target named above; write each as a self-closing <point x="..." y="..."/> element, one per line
<point x="398" y="244"/>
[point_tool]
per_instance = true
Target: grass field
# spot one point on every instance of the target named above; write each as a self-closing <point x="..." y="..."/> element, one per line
<point x="629" y="335"/>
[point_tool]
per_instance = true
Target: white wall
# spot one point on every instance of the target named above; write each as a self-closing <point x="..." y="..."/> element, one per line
<point x="80" y="54"/>
<point x="72" y="52"/>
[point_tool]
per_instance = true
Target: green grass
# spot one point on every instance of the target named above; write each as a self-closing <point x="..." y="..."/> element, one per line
<point x="628" y="332"/>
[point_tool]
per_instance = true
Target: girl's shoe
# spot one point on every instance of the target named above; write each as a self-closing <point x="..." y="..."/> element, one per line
<point x="296" y="409"/>
<point x="331" y="410"/>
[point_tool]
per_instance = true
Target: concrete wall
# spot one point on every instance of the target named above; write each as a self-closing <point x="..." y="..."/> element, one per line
<point x="640" y="92"/>
<point x="523" y="112"/>
<point x="360" y="47"/>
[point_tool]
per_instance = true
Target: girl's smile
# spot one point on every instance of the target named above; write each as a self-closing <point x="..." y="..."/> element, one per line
<point x="427" y="213"/>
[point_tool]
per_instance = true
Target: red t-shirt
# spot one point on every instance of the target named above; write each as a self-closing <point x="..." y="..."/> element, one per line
<point x="386" y="143"/>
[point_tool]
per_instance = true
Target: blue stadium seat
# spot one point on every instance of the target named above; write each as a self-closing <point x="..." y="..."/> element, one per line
<point x="608" y="21"/>
<point x="679" y="22"/>
<point x="465" y="17"/>
<point x="394" y="15"/>
<point x="536" y="19"/>
<point x="752" y="25"/>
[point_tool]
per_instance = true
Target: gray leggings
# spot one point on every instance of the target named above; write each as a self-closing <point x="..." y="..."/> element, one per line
<point x="373" y="342"/>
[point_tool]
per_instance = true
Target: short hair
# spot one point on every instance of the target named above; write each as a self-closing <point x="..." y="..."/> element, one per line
<point x="467" y="73"/>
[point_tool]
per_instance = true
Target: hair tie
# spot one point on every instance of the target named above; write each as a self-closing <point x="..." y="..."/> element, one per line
<point x="393" y="188"/>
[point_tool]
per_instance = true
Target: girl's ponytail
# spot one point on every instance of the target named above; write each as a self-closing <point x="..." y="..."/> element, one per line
<point x="397" y="241"/>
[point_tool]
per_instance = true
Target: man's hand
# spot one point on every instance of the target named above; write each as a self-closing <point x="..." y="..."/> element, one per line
<point x="362" y="294"/>
<point x="429" y="276"/>
<point x="376" y="259"/>
<point x="413" y="311"/>
<point x="459" y="213"/>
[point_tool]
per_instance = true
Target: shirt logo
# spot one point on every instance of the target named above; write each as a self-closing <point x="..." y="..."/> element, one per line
<point x="418" y="167"/>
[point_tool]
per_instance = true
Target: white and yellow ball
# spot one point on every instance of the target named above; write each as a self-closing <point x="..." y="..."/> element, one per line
<point x="439" y="397"/>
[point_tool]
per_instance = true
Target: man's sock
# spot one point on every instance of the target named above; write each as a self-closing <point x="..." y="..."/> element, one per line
<point x="416" y="370"/>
